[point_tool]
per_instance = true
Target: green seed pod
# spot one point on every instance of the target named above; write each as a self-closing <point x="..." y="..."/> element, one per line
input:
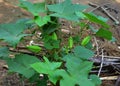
<point x="85" y="41"/>
<point x="34" y="48"/>
<point x="70" y="42"/>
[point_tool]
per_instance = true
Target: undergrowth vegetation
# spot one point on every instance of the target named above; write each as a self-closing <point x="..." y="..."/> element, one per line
<point x="62" y="64"/>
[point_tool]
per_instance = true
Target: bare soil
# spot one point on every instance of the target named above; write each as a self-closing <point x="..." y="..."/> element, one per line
<point x="9" y="12"/>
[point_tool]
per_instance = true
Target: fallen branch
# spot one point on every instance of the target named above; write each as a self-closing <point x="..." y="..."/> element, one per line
<point x="24" y="52"/>
<point x="109" y="78"/>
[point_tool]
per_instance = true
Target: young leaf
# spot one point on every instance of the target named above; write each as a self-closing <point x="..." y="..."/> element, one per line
<point x="21" y="64"/>
<point x="104" y="33"/>
<point x="54" y="36"/>
<point x="113" y="39"/>
<point x="49" y="43"/>
<point x="85" y="41"/>
<point x="40" y="21"/>
<point x="94" y="19"/>
<point x="34" y="48"/>
<point x="66" y="10"/>
<point x="70" y="42"/>
<point x="89" y="45"/>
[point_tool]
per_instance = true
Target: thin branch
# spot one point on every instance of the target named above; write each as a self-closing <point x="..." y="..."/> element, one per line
<point x="110" y="16"/>
<point x="112" y="57"/>
<point x="96" y="6"/>
<point x="97" y="47"/>
<point x="96" y="71"/>
<point x="101" y="63"/>
<point x="23" y="83"/>
<point x="118" y="81"/>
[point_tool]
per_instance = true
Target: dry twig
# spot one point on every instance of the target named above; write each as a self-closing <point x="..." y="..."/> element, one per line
<point x="101" y="63"/>
<point x="97" y="47"/>
<point x="118" y="81"/>
<point x="109" y="78"/>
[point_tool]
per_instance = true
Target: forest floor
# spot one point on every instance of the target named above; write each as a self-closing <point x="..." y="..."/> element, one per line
<point x="9" y="12"/>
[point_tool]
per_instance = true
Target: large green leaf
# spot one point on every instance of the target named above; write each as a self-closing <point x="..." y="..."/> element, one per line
<point x="35" y="8"/>
<point x="21" y="64"/>
<point x="12" y="32"/>
<point x="104" y="33"/>
<point x="47" y="67"/>
<point x="66" y="10"/>
<point x="94" y="19"/>
<point x="78" y="70"/>
<point x="82" y="52"/>
<point x="74" y="63"/>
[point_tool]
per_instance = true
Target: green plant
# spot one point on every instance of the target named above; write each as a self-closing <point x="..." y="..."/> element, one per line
<point x="65" y="64"/>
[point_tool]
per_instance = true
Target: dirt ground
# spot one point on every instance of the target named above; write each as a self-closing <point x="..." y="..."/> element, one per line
<point x="9" y="12"/>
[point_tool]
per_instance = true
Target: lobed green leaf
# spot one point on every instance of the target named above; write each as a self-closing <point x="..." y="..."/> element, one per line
<point x="13" y="32"/>
<point x="66" y="10"/>
<point x="21" y="64"/>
